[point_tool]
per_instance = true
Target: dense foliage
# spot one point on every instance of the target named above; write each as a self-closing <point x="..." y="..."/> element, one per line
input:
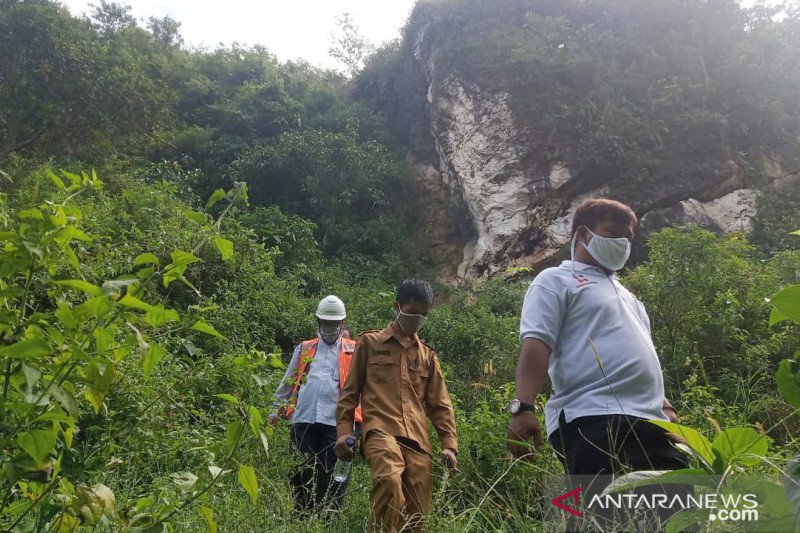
<point x="147" y="308"/>
<point x="649" y="92"/>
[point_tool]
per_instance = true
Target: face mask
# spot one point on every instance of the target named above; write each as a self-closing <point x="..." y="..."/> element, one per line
<point x="610" y="253"/>
<point x="329" y="332"/>
<point x="411" y="323"/>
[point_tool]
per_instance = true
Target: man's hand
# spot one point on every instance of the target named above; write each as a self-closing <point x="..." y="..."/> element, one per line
<point x="521" y="428"/>
<point x="273" y="419"/>
<point x="670" y="411"/>
<point x="449" y="459"/>
<point x="343" y="450"/>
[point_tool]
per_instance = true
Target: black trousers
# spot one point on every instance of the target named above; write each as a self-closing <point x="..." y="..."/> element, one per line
<point x="595" y="448"/>
<point x="313" y="487"/>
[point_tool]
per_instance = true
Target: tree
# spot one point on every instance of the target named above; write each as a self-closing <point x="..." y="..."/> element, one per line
<point x="66" y="90"/>
<point x="349" y="47"/>
<point x="112" y="17"/>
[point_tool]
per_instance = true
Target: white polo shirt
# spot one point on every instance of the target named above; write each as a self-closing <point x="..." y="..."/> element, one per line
<point x="574" y="312"/>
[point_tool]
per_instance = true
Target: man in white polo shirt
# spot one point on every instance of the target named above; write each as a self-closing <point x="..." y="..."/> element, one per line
<point x="592" y="337"/>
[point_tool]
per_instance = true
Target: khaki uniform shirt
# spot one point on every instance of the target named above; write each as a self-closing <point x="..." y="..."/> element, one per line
<point x="399" y="383"/>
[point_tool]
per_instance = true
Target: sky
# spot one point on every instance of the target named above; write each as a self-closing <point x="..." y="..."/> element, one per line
<point x="290" y="29"/>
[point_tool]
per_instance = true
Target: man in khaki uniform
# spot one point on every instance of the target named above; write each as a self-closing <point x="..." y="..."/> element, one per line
<point x="398" y="380"/>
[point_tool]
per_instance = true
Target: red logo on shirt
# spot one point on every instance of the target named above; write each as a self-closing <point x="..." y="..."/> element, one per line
<point x="582" y="281"/>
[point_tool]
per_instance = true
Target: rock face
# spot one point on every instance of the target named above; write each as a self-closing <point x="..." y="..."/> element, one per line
<point x="520" y="203"/>
<point x="480" y="160"/>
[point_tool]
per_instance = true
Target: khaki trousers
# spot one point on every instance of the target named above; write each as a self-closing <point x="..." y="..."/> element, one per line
<point x="401" y="484"/>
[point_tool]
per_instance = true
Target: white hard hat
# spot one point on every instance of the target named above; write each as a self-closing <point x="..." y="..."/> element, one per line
<point x="331" y="308"/>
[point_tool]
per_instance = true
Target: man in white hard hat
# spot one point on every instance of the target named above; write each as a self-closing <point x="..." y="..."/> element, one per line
<point x="307" y="398"/>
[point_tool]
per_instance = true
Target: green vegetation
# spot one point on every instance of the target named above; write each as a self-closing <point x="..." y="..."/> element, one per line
<point x="147" y="308"/>
<point x="650" y="92"/>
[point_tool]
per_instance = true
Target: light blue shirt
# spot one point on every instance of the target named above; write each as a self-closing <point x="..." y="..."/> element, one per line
<point x="316" y="400"/>
<point x="603" y="360"/>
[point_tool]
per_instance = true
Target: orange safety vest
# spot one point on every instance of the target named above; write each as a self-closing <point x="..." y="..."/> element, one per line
<point x="307" y="352"/>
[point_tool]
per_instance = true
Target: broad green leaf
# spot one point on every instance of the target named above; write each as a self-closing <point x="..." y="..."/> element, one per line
<point x="73" y="178"/>
<point x="92" y="503"/>
<point x="55" y="179"/>
<point x="232" y="434"/>
<point x="776" y="317"/>
<point x="135" y="303"/>
<point x="145" y="503"/>
<point x="788" y="378"/>
<point x="38" y="443"/>
<point x="56" y="336"/>
<point x="644" y="478"/>
<point x="96" y="181"/>
<point x="144" y="273"/>
<point x="693" y="438"/>
<point x="68" y="234"/>
<point x="204" y="327"/>
<point x="66" y="523"/>
<point x="69" y="434"/>
<point x="103" y="337"/>
<point x="81" y="285"/>
<point x="255" y="420"/>
<point x="59" y="218"/>
<point x="65" y="315"/>
<point x="275" y="362"/>
<point x="97" y="307"/>
<point x="66" y="399"/>
<point x="157" y="316"/>
<point x="218" y="195"/>
<point x="175" y="270"/>
<point x="56" y="415"/>
<point x="741" y="445"/>
<point x="72" y="259"/>
<point x="30" y="213"/>
<point x="35" y="250"/>
<point x="796" y="232"/>
<point x="98" y="378"/>
<point x="247" y="478"/>
<point x="787" y="301"/>
<point x="152" y="356"/>
<point x="208" y="514"/>
<point x="18" y="507"/>
<point x="146" y="259"/>
<point x="181" y="258"/>
<point x="228" y="398"/>
<point x="225" y="247"/>
<point x="686" y="520"/>
<point x="26" y="350"/>
<point x="195" y="216"/>
<point x="771" y="496"/>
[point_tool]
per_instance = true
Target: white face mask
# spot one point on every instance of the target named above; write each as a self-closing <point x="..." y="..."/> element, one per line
<point x="330" y="332"/>
<point x="411" y="323"/>
<point x="610" y="253"/>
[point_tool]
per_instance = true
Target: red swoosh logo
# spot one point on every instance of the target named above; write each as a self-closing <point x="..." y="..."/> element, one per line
<point x="575" y="495"/>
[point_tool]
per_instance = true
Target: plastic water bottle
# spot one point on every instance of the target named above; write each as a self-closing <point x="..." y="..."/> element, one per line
<point x="342" y="469"/>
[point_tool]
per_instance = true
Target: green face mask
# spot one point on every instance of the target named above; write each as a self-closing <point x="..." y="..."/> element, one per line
<point x="410" y="323"/>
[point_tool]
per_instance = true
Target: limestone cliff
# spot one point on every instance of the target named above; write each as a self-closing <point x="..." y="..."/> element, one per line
<point x="484" y="107"/>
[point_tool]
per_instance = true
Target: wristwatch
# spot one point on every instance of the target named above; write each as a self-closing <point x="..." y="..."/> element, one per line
<point x="517" y="406"/>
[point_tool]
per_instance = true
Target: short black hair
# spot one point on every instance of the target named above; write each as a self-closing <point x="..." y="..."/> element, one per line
<point x="593" y="211"/>
<point x="415" y="288"/>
